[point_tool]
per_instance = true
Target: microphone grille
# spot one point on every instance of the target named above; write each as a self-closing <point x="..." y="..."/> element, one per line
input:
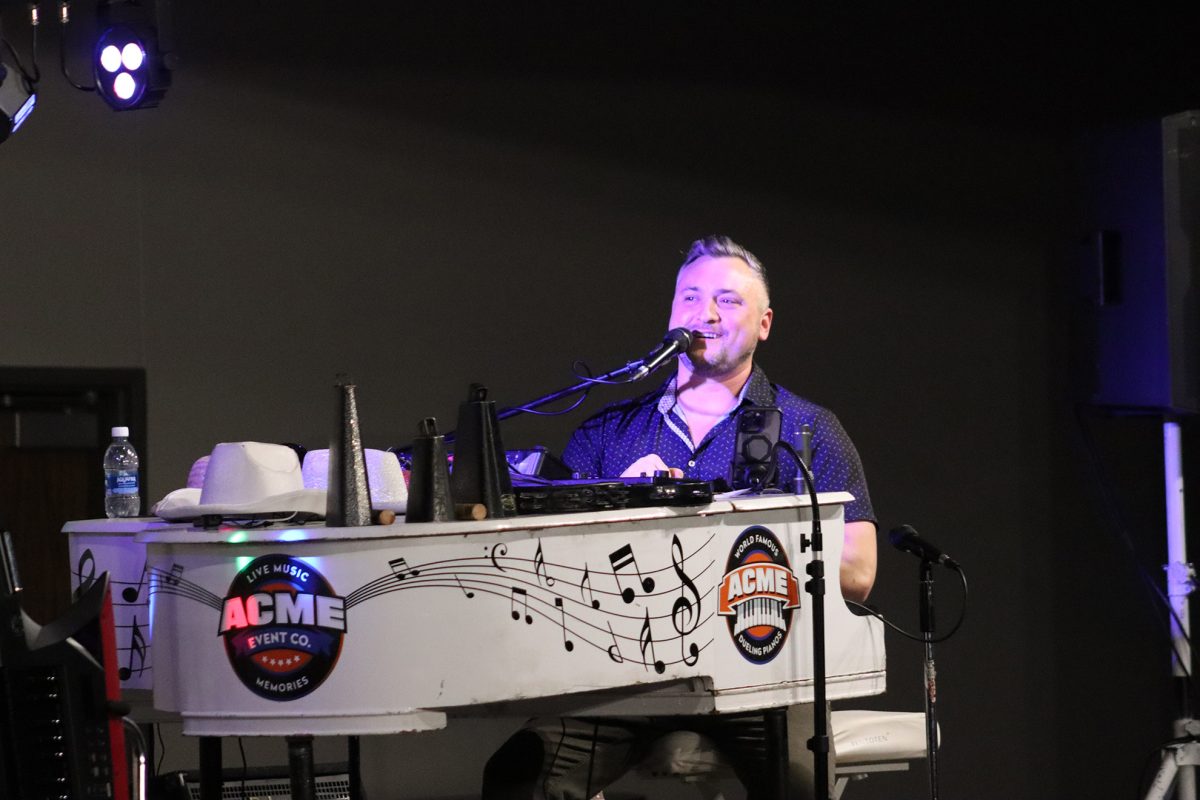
<point x="899" y="535"/>
<point x="681" y="335"/>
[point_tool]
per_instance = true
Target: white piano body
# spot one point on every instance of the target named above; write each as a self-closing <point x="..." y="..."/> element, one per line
<point x="387" y="629"/>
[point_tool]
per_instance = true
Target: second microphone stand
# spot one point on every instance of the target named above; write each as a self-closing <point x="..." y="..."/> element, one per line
<point x="927" y="633"/>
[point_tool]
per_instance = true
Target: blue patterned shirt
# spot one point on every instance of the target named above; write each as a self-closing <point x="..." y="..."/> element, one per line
<point x="607" y="443"/>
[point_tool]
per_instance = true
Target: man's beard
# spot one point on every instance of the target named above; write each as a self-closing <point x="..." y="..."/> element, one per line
<point x="721" y="364"/>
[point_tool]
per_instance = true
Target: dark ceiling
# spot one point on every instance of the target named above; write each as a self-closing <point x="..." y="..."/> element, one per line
<point x="1059" y="65"/>
<point x="1050" y="66"/>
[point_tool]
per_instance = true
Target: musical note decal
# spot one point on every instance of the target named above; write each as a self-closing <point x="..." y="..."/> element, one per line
<point x="614" y="649"/>
<point x="116" y="558"/>
<point x="685" y="612"/>
<point x="130" y="594"/>
<point x="585" y="588"/>
<point x="86" y="570"/>
<point x="567" y="643"/>
<point x="464" y="589"/>
<point x="401" y="569"/>
<point x="646" y="642"/>
<point x="137" y="647"/>
<point x="524" y="595"/>
<point x="176" y="573"/>
<point x="622" y="557"/>
<point x="539" y="567"/>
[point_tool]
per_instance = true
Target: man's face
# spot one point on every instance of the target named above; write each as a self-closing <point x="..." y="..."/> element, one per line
<point x="724" y="304"/>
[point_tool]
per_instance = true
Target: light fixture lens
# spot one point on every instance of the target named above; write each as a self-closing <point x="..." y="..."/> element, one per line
<point x="124" y="86"/>
<point x="24" y="111"/>
<point x="110" y="58"/>
<point x="127" y="69"/>
<point x="132" y="56"/>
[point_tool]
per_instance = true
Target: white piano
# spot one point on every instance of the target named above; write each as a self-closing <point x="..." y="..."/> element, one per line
<point x="382" y="629"/>
<point x="322" y="631"/>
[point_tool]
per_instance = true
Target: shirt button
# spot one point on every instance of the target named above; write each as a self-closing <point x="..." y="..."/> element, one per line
<point x="691" y="463"/>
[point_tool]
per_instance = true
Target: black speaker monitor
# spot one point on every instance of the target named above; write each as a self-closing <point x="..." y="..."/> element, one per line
<point x="1140" y="346"/>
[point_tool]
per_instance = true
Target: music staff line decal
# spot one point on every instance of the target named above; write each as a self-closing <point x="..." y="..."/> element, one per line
<point x="530" y="588"/>
<point x="132" y="600"/>
<point x="572" y="599"/>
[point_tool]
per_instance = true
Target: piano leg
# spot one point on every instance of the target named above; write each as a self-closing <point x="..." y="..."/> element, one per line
<point x="776" y="734"/>
<point x="354" y="756"/>
<point x="210" y="768"/>
<point x="300" y="767"/>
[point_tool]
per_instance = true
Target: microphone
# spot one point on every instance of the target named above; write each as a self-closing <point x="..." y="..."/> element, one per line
<point x="677" y="341"/>
<point x="906" y="538"/>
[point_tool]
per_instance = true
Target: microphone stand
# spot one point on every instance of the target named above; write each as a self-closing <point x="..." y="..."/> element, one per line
<point x="815" y="586"/>
<point x="927" y="631"/>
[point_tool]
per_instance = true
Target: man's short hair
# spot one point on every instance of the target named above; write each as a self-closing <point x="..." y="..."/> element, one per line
<point x="716" y="246"/>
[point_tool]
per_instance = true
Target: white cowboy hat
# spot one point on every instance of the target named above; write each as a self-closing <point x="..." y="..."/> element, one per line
<point x="384" y="477"/>
<point x="246" y="479"/>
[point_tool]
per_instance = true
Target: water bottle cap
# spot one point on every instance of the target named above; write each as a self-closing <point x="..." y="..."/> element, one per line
<point x="121" y="430"/>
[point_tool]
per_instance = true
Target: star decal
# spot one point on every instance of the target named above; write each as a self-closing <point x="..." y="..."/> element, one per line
<point x="278" y="663"/>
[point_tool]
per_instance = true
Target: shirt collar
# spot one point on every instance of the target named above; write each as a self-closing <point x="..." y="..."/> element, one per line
<point x="758" y="390"/>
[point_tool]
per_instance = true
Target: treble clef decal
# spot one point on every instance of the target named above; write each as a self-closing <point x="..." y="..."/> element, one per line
<point x="685" y="613"/>
<point x="86" y="570"/>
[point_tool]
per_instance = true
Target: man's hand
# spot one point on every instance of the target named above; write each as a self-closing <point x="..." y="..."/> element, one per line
<point x="647" y="465"/>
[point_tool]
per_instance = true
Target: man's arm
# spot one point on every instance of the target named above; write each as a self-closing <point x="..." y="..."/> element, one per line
<point x="858" y="561"/>
<point x="582" y="453"/>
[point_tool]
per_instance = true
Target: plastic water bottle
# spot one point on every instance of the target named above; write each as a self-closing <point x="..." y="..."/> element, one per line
<point x="121" y="497"/>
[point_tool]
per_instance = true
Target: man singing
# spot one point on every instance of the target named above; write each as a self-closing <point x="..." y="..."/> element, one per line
<point x="689" y="426"/>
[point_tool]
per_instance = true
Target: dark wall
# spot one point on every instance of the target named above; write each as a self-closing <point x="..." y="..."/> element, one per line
<point x="444" y="206"/>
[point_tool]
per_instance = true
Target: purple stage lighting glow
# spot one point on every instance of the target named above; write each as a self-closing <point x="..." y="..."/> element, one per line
<point x="110" y="58"/>
<point x="16" y="101"/>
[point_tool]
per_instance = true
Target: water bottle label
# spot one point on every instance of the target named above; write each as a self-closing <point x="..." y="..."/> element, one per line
<point x="123" y="481"/>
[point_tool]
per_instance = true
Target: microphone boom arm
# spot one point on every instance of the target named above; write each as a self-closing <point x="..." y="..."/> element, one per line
<point x="676" y="341"/>
<point x="583" y="386"/>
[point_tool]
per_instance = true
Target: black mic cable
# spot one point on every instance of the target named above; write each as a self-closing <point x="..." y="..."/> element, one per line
<point x="875" y="612"/>
<point x="905" y="538"/>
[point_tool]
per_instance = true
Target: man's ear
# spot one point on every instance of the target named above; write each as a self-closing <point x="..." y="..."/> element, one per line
<point x="764" y="326"/>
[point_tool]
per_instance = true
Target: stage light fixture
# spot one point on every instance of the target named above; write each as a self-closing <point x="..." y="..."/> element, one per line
<point x="129" y="72"/>
<point x="16" y="101"/>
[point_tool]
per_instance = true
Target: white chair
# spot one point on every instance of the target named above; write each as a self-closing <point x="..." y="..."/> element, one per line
<point x="876" y="741"/>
